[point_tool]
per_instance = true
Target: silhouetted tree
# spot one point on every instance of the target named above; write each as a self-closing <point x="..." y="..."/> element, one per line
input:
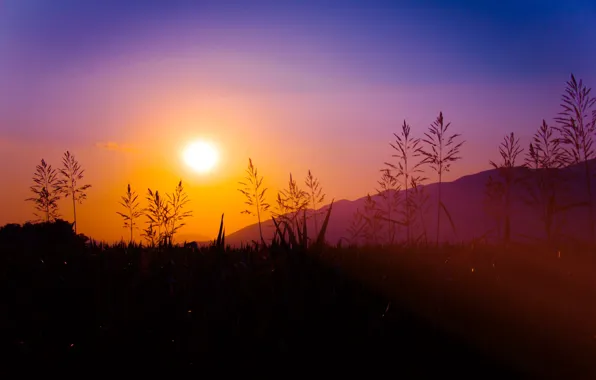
<point x="47" y="192"/>
<point x="176" y="202"/>
<point x="440" y="152"/>
<point x="72" y="173"/>
<point x="388" y="192"/>
<point x="130" y="203"/>
<point x="577" y="127"/>
<point x="509" y="149"/>
<point x="316" y="195"/>
<point x="255" y="195"/>
<point x="406" y="150"/>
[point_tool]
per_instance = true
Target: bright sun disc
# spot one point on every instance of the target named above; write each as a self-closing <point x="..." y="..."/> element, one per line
<point x="201" y="156"/>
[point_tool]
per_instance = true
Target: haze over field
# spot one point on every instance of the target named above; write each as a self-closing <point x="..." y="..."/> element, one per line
<point x="293" y="85"/>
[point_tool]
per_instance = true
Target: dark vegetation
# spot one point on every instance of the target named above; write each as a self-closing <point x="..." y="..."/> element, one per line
<point x="390" y="292"/>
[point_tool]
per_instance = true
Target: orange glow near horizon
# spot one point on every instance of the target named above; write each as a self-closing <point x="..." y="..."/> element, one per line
<point x="283" y="133"/>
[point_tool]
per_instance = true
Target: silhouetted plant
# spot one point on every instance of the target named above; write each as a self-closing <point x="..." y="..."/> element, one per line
<point x="72" y="173"/>
<point x="150" y="235"/>
<point x="316" y="195"/>
<point x="407" y="149"/>
<point x="509" y="149"/>
<point x="320" y="242"/>
<point x="544" y="157"/>
<point x="440" y="152"/>
<point x="388" y="192"/>
<point x="372" y="218"/>
<point x="47" y="192"/>
<point x="356" y="229"/>
<point x="220" y="242"/>
<point x="158" y="214"/>
<point x="493" y="202"/>
<point x="419" y="204"/>
<point x="130" y="203"/>
<point x="281" y="209"/>
<point x="255" y="195"/>
<point x="295" y="201"/>
<point x="175" y="218"/>
<point x="577" y="128"/>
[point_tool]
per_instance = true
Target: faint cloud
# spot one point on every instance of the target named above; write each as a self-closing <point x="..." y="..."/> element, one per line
<point x="114" y="146"/>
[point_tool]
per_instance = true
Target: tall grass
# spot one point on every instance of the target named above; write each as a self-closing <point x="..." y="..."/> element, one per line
<point x="577" y="127"/>
<point x="388" y="191"/>
<point x="255" y="192"/>
<point x="72" y="173"/>
<point x="545" y="157"/>
<point x="46" y="190"/>
<point x="315" y="194"/>
<point x="440" y="151"/>
<point x="406" y="151"/>
<point x="509" y="151"/>
<point x="130" y="203"/>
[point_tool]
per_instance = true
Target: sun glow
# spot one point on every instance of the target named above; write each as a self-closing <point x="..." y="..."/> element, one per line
<point x="201" y="156"/>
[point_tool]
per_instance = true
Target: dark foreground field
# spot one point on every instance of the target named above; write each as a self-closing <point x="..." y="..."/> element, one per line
<point x="400" y="311"/>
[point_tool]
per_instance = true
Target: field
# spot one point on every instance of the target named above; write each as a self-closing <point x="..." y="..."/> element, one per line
<point x="411" y="310"/>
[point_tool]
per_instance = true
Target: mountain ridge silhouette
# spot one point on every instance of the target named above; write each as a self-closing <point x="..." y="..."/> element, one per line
<point x="464" y="199"/>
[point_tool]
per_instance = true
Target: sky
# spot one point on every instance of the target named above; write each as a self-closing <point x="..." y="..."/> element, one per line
<point x="294" y="85"/>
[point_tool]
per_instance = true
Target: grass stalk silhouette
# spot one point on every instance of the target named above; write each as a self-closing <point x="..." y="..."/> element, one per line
<point x="419" y="206"/>
<point x="509" y="150"/>
<point x="295" y="201"/>
<point x="577" y="127"/>
<point x="130" y="203"/>
<point x="356" y="228"/>
<point x="255" y="193"/>
<point x="493" y="202"/>
<point x="372" y="217"/>
<point x="440" y="152"/>
<point x="47" y="192"/>
<point x="71" y="174"/>
<point x="316" y="195"/>
<point x="157" y="214"/>
<point x="177" y="200"/>
<point x="544" y="158"/>
<point x="388" y="192"/>
<point x="406" y="151"/>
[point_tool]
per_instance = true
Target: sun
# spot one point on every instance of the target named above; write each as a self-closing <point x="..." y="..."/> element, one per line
<point x="201" y="156"/>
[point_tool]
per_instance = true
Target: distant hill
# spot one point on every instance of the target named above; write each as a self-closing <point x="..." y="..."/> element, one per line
<point x="464" y="199"/>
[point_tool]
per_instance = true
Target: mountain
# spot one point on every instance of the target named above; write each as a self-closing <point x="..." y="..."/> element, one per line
<point x="464" y="199"/>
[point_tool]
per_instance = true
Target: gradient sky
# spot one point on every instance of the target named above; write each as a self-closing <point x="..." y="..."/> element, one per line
<point x="295" y="85"/>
